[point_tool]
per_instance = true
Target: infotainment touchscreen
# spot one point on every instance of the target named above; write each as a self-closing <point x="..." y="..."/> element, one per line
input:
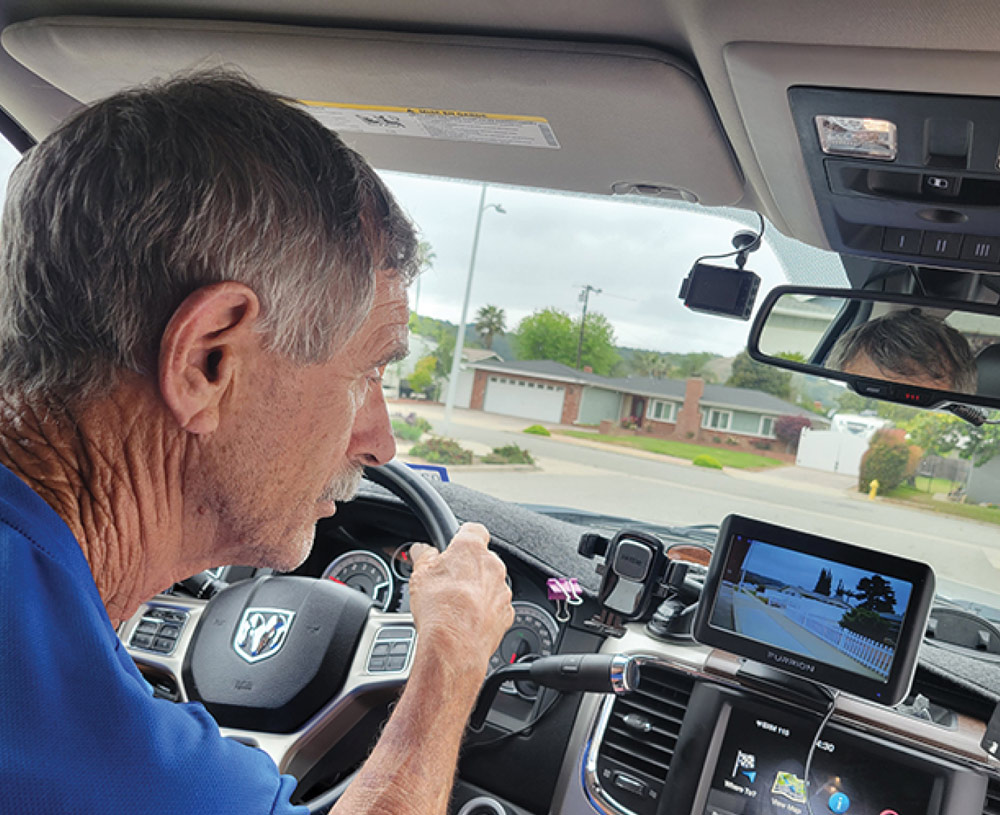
<point x="817" y="608"/>
<point x="760" y="770"/>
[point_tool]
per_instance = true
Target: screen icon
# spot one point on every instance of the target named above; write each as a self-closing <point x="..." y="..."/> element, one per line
<point x="839" y="803"/>
<point x="746" y="764"/>
<point x="790" y="786"/>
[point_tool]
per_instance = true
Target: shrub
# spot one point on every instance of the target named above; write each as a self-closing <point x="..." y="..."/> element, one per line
<point x="413" y="420"/>
<point x="707" y="461"/>
<point x="537" y="430"/>
<point x="509" y="454"/>
<point x="438" y="450"/>
<point x="731" y="441"/>
<point x="788" y="429"/>
<point x="865" y="622"/>
<point x="886" y="460"/>
<point x="761" y="445"/>
<point x="407" y="432"/>
<point x="716" y="439"/>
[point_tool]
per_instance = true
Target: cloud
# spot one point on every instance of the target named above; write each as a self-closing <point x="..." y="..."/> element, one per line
<point x="548" y="245"/>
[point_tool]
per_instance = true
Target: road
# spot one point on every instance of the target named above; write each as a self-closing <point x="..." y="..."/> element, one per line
<point x="965" y="554"/>
<point x="762" y="623"/>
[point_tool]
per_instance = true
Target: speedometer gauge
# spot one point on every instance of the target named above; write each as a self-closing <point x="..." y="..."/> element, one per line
<point x="365" y="572"/>
<point x="532" y="635"/>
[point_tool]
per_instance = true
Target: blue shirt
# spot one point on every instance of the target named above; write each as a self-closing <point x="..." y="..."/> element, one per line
<point x="80" y="731"/>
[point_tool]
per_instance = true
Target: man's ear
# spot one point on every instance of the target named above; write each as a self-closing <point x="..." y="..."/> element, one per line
<point x="205" y="342"/>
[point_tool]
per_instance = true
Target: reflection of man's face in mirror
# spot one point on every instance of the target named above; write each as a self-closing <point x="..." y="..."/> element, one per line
<point x="863" y="365"/>
<point x="908" y="347"/>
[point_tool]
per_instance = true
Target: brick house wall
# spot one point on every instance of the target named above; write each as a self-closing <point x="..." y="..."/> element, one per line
<point x="478" y="390"/>
<point x="571" y="404"/>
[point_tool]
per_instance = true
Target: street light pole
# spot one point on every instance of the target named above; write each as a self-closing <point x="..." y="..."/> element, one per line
<point x="456" y="360"/>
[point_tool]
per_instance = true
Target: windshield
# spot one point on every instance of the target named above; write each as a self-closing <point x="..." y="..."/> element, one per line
<point x="653" y="412"/>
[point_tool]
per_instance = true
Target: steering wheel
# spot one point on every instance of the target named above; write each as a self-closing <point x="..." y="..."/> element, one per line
<point x="289" y="664"/>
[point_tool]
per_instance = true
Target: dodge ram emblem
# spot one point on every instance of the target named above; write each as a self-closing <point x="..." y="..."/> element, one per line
<point x="262" y="632"/>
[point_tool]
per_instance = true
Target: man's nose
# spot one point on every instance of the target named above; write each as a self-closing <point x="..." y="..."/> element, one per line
<point x="372" y="441"/>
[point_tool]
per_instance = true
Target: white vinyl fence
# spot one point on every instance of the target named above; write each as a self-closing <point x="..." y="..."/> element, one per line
<point x="871" y="654"/>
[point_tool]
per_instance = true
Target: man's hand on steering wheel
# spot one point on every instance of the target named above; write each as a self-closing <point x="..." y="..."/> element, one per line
<point x="460" y="602"/>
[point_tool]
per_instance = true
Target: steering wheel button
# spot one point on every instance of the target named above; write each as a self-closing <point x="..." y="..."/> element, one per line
<point x="147" y="627"/>
<point x="170" y="631"/>
<point x="141" y="640"/>
<point x="381" y="650"/>
<point x="395" y="634"/>
<point x="395" y="663"/>
<point x="163" y="645"/>
<point x="376" y="664"/>
<point x="400" y="649"/>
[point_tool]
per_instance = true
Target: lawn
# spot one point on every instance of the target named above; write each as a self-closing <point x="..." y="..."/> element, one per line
<point x="920" y="498"/>
<point x="680" y="449"/>
<point x="936" y="485"/>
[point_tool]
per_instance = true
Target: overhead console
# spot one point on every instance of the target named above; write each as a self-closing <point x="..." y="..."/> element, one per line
<point x="904" y="176"/>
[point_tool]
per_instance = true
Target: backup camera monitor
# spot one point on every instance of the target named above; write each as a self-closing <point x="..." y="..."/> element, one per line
<point x="816" y="608"/>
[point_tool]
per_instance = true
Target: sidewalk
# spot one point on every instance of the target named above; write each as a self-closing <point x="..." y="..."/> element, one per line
<point x="783" y="478"/>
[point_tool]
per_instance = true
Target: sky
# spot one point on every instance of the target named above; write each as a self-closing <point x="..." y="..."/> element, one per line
<point x="799" y="569"/>
<point x="547" y="246"/>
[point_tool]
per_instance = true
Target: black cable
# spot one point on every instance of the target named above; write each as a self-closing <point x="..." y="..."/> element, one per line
<point x="812" y="747"/>
<point x="523" y="729"/>
<point x="746" y="250"/>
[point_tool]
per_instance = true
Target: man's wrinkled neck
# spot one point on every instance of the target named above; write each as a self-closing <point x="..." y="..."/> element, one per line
<point x="95" y="466"/>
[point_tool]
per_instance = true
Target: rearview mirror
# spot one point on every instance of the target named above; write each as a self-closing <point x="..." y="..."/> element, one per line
<point x="914" y="350"/>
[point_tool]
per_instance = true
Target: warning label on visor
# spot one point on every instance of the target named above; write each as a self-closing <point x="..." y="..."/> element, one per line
<point x="429" y="123"/>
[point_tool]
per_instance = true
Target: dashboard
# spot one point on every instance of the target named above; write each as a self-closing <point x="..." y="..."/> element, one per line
<point x="700" y="735"/>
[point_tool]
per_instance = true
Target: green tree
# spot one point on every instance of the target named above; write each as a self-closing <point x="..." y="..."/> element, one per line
<point x="692" y="364"/>
<point x="753" y="375"/>
<point x="650" y="363"/>
<point x="792" y="356"/>
<point x="546" y="334"/>
<point x="553" y="334"/>
<point x="423" y="379"/>
<point x="936" y="433"/>
<point x="850" y="402"/>
<point x="425" y="255"/>
<point x="598" y="344"/>
<point x="490" y="322"/>
<point x="445" y="350"/>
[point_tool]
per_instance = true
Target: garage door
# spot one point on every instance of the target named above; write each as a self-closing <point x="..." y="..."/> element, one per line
<point x="528" y="400"/>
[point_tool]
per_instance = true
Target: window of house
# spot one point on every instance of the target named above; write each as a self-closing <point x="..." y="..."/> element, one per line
<point x="662" y="411"/>
<point x="716" y="419"/>
<point x="767" y="426"/>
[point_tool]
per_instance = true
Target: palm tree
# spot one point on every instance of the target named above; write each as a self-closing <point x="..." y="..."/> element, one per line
<point x="490" y="321"/>
<point x="425" y="260"/>
<point x="650" y="363"/>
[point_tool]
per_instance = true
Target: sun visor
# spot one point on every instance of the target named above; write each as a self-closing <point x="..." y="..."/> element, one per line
<point x="584" y="117"/>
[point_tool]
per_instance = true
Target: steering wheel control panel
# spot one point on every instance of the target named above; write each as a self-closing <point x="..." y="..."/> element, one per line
<point x="392" y="650"/>
<point x="159" y="630"/>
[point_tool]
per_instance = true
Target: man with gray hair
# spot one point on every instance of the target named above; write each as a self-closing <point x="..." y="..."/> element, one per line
<point x="909" y="347"/>
<point x="201" y="287"/>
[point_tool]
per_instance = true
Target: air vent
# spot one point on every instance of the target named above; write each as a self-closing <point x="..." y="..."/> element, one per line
<point x="992" y="804"/>
<point x="640" y="737"/>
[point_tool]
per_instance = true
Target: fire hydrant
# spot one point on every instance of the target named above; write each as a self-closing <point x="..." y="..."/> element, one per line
<point x="873" y="491"/>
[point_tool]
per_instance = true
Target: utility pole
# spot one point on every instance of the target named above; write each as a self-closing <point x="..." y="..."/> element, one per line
<point x="584" y="298"/>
